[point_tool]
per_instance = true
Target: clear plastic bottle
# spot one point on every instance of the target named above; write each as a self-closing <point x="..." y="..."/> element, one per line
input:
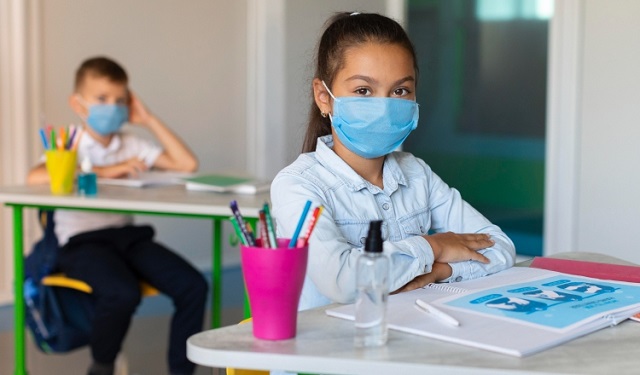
<point x="87" y="179"/>
<point x="372" y="278"/>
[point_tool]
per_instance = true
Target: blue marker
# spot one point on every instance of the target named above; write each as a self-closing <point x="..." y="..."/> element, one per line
<point x="303" y="217"/>
<point x="44" y="139"/>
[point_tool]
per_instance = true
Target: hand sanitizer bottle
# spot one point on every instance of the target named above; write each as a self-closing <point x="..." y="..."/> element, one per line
<point x="372" y="278"/>
<point x="87" y="179"/>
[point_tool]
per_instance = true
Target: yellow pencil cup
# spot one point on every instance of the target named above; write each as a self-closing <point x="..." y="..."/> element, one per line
<point x="61" y="166"/>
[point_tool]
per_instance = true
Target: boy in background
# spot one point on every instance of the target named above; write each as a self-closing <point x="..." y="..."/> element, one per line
<point x="107" y="251"/>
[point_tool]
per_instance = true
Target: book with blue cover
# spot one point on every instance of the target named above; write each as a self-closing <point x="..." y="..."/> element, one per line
<point x="519" y="311"/>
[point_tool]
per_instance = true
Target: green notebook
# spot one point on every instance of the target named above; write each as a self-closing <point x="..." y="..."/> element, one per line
<point x="227" y="184"/>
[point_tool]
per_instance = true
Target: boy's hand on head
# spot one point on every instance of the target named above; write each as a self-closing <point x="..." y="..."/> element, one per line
<point x="138" y="113"/>
<point x="439" y="271"/>
<point x="452" y="247"/>
<point x="128" y="168"/>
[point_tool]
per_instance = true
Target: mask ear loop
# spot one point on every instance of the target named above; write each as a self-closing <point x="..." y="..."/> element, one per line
<point x="334" y="98"/>
<point x="84" y="103"/>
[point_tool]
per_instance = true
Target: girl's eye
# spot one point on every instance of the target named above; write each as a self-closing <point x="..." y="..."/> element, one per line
<point x="102" y="99"/>
<point x="401" y="92"/>
<point x="121" y="101"/>
<point x="363" y="91"/>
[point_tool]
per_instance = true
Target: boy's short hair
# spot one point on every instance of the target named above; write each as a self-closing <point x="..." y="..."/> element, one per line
<point x="100" y="67"/>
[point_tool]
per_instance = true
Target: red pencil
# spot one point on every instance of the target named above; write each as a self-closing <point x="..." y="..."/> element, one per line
<point x="312" y="223"/>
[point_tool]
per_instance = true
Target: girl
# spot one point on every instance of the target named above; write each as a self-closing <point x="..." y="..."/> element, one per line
<point x="364" y="107"/>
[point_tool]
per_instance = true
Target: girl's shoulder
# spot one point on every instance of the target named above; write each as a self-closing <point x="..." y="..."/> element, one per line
<point x="409" y="162"/>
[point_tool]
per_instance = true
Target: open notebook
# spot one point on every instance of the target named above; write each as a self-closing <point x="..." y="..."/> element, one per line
<point x="520" y="311"/>
<point x="147" y="179"/>
<point x="220" y="183"/>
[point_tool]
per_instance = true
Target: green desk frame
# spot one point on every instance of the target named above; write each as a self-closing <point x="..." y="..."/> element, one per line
<point x="18" y="251"/>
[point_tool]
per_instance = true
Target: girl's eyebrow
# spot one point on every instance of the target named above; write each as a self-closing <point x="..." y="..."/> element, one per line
<point x="373" y="81"/>
<point x="403" y="80"/>
<point x="364" y="78"/>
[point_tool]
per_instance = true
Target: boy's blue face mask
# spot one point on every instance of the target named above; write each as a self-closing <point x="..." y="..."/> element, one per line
<point x="372" y="127"/>
<point x="107" y="119"/>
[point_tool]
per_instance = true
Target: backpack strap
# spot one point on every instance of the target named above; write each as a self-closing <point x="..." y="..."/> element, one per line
<point x="43" y="258"/>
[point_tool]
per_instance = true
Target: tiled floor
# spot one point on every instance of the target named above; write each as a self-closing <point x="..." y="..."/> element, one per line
<point x="146" y="344"/>
<point x="144" y="350"/>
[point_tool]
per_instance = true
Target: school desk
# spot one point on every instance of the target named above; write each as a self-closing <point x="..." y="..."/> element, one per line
<point x="325" y="345"/>
<point x="165" y="201"/>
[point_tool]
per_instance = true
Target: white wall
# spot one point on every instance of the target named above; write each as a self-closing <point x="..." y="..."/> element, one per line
<point x="304" y="25"/>
<point x="608" y="214"/>
<point x="187" y="62"/>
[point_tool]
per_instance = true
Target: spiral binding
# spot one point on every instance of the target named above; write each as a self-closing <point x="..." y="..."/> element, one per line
<point x="446" y="288"/>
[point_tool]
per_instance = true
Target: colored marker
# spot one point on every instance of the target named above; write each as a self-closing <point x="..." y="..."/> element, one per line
<point x="303" y="217"/>
<point x="241" y="224"/>
<point x="312" y="224"/>
<point x="264" y="233"/>
<point x="234" y="222"/>
<point x="271" y="230"/>
<point x="43" y="137"/>
<point x="250" y="231"/>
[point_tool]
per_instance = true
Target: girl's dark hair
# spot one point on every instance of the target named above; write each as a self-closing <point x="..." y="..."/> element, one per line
<point x="345" y="30"/>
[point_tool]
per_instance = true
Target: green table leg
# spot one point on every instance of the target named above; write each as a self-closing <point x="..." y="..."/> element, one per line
<point x="18" y="304"/>
<point x="216" y="288"/>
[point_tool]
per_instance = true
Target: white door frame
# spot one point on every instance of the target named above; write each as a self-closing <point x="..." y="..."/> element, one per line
<point x="562" y="161"/>
<point x="20" y="100"/>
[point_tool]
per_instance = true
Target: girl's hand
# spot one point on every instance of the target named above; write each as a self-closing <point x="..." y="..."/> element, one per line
<point x="128" y="168"/>
<point x="439" y="271"/>
<point x="452" y="247"/>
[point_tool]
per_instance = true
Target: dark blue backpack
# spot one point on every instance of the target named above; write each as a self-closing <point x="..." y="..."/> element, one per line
<point x="58" y="318"/>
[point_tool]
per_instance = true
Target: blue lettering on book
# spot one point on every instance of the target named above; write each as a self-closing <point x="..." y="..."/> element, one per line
<point x="484" y="299"/>
<point x="522" y="290"/>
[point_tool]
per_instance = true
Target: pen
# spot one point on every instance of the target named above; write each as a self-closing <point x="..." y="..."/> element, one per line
<point x="312" y="224"/>
<point x="294" y="238"/>
<point x="264" y="232"/>
<point x="250" y="231"/>
<point x="437" y="313"/>
<point x="241" y="224"/>
<point x="234" y="222"/>
<point x="44" y="139"/>
<point x="53" y="139"/>
<point x="76" y="139"/>
<point x="72" y="134"/>
<point x="270" y="229"/>
<point x="61" y="138"/>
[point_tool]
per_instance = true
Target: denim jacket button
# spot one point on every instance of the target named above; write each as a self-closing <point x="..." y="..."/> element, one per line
<point x="459" y="278"/>
<point x="385" y="206"/>
<point x="362" y="240"/>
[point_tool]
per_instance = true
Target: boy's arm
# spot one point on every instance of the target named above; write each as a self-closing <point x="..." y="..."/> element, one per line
<point x="176" y="155"/>
<point x="38" y="175"/>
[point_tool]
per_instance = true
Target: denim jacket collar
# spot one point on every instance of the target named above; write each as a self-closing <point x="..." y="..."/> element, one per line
<point x="392" y="174"/>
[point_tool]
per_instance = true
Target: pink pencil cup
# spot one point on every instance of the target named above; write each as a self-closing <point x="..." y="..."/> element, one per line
<point x="274" y="279"/>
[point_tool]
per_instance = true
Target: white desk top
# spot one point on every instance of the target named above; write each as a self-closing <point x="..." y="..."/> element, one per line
<point x="161" y="199"/>
<point x="325" y="345"/>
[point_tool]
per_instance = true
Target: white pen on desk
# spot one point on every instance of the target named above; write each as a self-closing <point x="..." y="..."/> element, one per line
<point x="437" y="313"/>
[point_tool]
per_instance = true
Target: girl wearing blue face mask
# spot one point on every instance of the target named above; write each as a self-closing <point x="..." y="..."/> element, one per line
<point x="364" y="107"/>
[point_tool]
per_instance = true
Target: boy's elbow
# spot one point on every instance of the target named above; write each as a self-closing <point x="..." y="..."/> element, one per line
<point x="191" y="165"/>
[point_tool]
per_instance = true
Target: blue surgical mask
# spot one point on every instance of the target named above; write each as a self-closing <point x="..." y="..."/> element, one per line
<point x="372" y="127"/>
<point x="107" y="119"/>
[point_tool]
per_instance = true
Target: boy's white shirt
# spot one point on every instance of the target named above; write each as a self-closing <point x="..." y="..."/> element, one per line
<point x="123" y="146"/>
